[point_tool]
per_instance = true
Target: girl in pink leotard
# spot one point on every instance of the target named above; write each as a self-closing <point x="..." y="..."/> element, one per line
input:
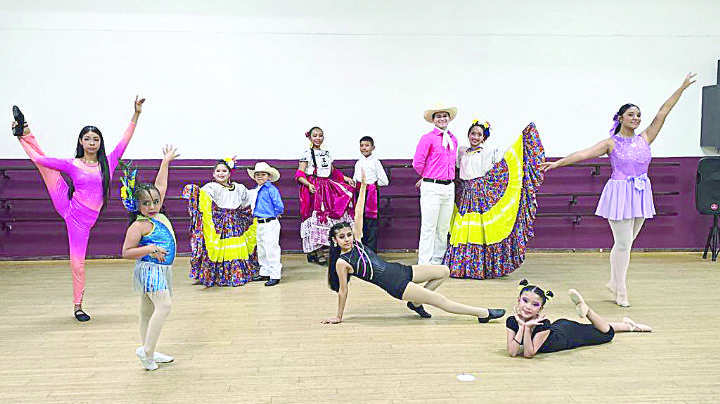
<point x="80" y="201"/>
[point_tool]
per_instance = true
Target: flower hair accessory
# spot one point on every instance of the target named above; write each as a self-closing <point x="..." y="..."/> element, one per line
<point x="127" y="191"/>
<point x="616" y="122"/>
<point x="230" y="162"/>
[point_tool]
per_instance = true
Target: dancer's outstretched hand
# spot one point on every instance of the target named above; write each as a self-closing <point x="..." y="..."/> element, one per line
<point x="170" y="153"/>
<point x="689" y="79"/>
<point x="334" y="320"/>
<point x="26" y="129"/>
<point x="548" y="165"/>
<point x="138" y="104"/>
<point x="350" y="181"/>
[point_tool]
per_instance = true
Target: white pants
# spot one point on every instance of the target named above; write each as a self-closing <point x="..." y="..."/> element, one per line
<point x="437" y="202"/>
<point x="268" y="247"/>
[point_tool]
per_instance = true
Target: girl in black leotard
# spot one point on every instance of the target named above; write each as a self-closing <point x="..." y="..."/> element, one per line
<point x="529" y="333"/>
<point x="348" y="257"/>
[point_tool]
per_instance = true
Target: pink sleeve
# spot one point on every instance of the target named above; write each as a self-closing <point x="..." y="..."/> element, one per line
<point x="421" y="153"/>
<point x="62" y="165"/>
<point x="116" y="154"/>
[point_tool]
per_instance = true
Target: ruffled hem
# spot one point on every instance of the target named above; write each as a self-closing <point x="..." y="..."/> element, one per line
<point x="315" y="234"/>
<point x="621" y="200"/>
<point x="485" y="261"/>
<point x="150" y="277"/>
<point x="226" y="273"/>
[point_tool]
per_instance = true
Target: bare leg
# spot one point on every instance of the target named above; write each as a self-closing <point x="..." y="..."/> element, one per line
<point x="416" y="293"/>
<point x="628" y="325"/>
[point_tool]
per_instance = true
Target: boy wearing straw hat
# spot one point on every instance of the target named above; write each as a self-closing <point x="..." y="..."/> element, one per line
<point x="434" y="161"/>
<point x="268" y="208"/>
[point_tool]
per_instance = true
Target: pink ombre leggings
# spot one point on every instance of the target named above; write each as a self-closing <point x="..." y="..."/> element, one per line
<point x="79" y="219"/>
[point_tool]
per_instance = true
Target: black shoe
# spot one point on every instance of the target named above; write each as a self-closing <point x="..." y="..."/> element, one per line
<point x="18" y="131"/>
<point x="420" y="310"/>
<point x="492" y="314"/>
<point x="80" y="315"/>
<point x="311" y="257"/>
<point x="258" y="278"/>
<point x="272" y="282"/>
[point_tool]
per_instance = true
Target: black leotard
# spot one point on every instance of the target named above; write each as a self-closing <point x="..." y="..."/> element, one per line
<point x="565" y="334"/>
<point x="390" y="276"/>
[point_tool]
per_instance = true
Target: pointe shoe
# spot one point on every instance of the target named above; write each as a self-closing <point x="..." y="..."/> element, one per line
<point x="492" y="314"/>
<point x="161" y="357"/>
<point x="635" y="327"/>
<point x="580" y="305"/>
<point x="149" y="364"/>
<point x="622" y="300"/>
<point x="20" y="119"/>
<point x="419" y="309"/>
<point x="611" y="288"/>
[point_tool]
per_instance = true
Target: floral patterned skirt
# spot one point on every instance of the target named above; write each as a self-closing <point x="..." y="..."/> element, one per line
<point x="223" y="241"/>
<point x="494" y="217"/>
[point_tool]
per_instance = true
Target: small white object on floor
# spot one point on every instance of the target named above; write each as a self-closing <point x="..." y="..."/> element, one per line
<point x="465" y="377"/>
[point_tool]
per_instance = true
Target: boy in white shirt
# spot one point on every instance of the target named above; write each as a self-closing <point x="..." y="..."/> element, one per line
<point x="374" y="177"/>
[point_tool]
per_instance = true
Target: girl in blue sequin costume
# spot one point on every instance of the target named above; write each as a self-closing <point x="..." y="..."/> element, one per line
<point x="150" y="241"/>
<point x="349" y="257"/>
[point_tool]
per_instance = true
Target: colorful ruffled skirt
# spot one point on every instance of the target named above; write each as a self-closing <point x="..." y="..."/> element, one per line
<point x="223" y="241"/>
<point x="330" y="204"/>
<point x="494" y="217"/>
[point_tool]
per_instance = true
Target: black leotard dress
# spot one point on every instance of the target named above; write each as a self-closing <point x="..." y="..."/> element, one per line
<point x="565" y="334"/>
<point x="390" y="276"/>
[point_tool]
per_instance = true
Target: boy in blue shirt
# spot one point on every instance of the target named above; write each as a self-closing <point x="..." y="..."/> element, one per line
<point x="267" y="210"/>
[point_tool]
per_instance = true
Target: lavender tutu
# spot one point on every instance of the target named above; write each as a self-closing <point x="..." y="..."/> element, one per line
<point x="628" y="193"/>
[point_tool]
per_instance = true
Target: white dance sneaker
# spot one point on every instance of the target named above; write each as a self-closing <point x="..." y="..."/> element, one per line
<point x="162" y="358"/>
<point x="148" y="363"/>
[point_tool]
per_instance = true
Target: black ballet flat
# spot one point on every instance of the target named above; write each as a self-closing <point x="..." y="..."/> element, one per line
<point x="20" y="119"/>
<point x="492" y="314"/>
<point x="258" y="278"/>
<point x="311" y="258"/>
<point x="420" y="310"/>
<point x="81" y="316"/>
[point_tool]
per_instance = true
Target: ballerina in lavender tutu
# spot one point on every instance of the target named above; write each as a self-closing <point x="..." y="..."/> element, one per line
<point x="626" y="201"/>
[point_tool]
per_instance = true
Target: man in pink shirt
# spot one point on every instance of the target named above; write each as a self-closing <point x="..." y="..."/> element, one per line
<point x="434" y="161"/>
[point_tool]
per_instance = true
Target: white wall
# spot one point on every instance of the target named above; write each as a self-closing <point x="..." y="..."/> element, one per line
<point x="249" y="78"/>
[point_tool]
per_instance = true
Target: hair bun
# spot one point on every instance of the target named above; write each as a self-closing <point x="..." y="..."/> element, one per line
<point x="524" y="282"/>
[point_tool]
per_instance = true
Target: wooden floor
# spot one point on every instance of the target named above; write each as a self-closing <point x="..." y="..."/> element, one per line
<point x="257" y="344"/>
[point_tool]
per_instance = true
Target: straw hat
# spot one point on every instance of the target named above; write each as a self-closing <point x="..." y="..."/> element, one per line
<point x="439" y="107"/>
<point x="265" y="168"/>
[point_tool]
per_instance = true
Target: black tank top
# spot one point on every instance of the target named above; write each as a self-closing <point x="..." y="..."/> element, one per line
<point x="366" y="264"/>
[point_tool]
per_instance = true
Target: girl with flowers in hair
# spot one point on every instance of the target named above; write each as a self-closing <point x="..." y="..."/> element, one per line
<point x="626" y="200"/>
<point x="528" y="332"/>
<point x="222" y="233"/>
<point x="326" y="196"/>
<point x="496" y="204"/>
<point x="150" y="240"/>
<point x="80" y="200"/>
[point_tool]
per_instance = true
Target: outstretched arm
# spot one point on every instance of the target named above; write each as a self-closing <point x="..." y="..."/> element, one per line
<point x="342" y="268"/>
<point x="169" y="154"/>
<point x="600" y="148"/>
<point x="125" y="140"/>
<point x="652" y="131"/>
<point x="360" y="208"/>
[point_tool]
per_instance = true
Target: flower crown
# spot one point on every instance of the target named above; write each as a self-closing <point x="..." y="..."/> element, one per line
<point x="127" y="191"/>
<point x="485" y="125"/>
<point x="230" y="162"/>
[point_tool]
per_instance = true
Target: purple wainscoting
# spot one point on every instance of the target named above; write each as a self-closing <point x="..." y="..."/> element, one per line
<point x="30" y="228"/>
